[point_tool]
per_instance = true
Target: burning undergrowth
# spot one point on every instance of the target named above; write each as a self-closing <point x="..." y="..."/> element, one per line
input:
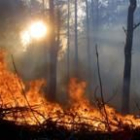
<point x="28" y="106"/>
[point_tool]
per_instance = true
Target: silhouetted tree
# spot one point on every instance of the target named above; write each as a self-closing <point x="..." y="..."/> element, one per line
<point x="128" y="56"/>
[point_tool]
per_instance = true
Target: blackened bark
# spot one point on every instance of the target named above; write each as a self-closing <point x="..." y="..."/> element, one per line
<point x="128" y="57"/>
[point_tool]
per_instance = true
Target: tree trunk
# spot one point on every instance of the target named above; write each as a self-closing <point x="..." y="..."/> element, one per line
<point x="97" y="20"/>
<point x="91" y="13"/>
<point x="128" y="55"/>
<point x="68" y="41"/>
<point x="88" y="45"/>
<point x="53" y="55"/>
<point x="76" y="41"/>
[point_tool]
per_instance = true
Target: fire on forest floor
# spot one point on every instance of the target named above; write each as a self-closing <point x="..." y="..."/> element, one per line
<point x="31" y="107"/>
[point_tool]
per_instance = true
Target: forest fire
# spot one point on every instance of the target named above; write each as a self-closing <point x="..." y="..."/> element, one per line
<point x="29" y="106"/>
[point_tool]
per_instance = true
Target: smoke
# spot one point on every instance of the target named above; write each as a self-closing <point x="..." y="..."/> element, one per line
<point x="34" y="63"/>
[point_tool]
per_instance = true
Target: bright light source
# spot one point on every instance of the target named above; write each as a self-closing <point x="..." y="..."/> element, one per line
<point x="37" y="30"/>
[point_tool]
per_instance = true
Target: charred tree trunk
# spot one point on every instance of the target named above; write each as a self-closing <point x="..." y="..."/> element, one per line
<point x="128" y="56"/>
<point x="53" y="54"/>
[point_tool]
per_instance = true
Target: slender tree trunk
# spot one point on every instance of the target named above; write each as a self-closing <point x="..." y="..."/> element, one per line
<point x="53" y="54"/>
<point x="76" y="41"/>
<point x="97" y="20"/>
<point x="92" y="11"/>
<point x="68" y="40"/>
<point x="58" y="27"/>
<point x="128" y="55"/>
<point x="88" y="45"/>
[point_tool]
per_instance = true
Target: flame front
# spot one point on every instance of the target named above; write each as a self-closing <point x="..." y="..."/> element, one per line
<point x="29" y="105"/>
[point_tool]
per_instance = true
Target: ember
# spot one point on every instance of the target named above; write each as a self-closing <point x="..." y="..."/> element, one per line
<point x="31" y="107"/>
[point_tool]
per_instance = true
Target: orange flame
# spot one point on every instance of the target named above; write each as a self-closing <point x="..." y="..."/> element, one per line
<point x="29" y="106"/>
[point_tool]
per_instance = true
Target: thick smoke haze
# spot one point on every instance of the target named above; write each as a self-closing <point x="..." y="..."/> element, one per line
<point x="110" y="37"/>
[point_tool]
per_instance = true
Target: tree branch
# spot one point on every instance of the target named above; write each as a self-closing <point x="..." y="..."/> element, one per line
<point x="125" y="31"/>
<point x="136" y="25"/>
<point x="101" y="89"/>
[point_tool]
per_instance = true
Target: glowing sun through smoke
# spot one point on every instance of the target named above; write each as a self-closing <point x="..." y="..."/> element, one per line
<point x="36" y="30"/>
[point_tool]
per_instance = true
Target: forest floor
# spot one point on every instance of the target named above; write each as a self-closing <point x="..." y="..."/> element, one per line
<point x="49" y="131"/>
